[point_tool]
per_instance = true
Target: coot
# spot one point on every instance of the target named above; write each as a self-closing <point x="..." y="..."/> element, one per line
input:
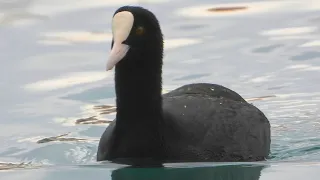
<point x="198" y="122"/>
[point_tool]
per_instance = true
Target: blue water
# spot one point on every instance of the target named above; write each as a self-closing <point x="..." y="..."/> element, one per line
<point x="53" y="56"/>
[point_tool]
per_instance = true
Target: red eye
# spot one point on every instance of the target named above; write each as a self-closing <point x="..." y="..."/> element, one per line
<point x="139" y="30"/>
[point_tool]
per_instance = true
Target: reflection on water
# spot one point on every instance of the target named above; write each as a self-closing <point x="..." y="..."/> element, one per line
<point x="66" y="81"/>
<point x="290" y="33"/>
<point x="227" y="9"/>
<point x="228" y="172"/>
<point x="225" y="172"/>
<point x="67" y="38"/>
<point x="27" y="12"/>
<point x="308" y="55"/>
<point x="10" y="166"/>
<point x="249" y="8"/>
<point x="70" y="37"/>
<point x="203" y="173"/>
<point x="16" y="12"/>
<point x="311" y="43"/>
<point x="267" y="49"/>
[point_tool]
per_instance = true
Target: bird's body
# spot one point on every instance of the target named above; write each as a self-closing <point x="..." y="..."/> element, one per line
<point x="214" y="127"/>
<point x="194" y="123"/>
<point x="201" y="123"/>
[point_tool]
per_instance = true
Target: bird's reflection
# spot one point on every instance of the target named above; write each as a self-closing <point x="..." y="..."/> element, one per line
<point x="198" y="173"/>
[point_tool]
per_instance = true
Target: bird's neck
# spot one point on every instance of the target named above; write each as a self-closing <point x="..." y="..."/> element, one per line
<point x="138" y="90"/>
<point x="139" y="120"/>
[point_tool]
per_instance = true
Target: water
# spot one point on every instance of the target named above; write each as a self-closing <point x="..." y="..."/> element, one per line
<point x="52" y="74"/>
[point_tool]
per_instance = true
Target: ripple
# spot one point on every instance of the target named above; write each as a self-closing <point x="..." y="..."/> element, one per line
<point x="297" y="151"/>
<point x="49" y="7"/>
<point x="261" y="79"/>
<point x="98" y="115"/>
<point x="237" y="9"/>
<point x="248" y="8"/>
<point x="308" y="55"/>
<point x="267" y="49"/>
<point x="63" y="60"/>
<point x="65" y="81"/>
<point x="303" y="67"/>
<point x="289" y="31"/>
<point x="73" y="37"/>
<point x="10" y="166"/>
<point x="180" y="42"/>
<point x="193" y="61"/>
<point x="311" y="43"/>
<point x="190" y="77"/>
<point x="28" y="12"/>
<point x="17" y="13"/>
<point x="227" y="9"/>
<point x="62" y="138"/>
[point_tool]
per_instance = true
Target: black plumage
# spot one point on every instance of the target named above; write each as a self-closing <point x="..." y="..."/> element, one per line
<point x="193" y="123"/>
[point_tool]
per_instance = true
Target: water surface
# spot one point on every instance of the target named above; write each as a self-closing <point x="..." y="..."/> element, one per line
<point x="53" y="58"/>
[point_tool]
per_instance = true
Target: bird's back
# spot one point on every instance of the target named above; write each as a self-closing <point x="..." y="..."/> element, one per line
<point x="205" y="89"/>
<point x="203" y="126"/>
